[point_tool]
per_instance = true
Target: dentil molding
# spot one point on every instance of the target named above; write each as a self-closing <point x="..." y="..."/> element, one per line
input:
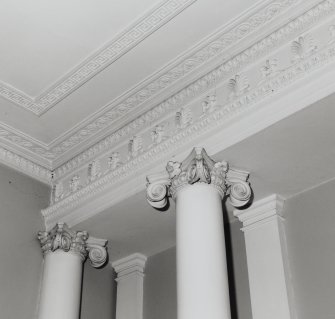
<point x="121" y="44"/>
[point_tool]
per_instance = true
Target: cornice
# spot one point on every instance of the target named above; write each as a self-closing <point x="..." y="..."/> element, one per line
<point x="121" y="44"/>
<point x="213" y="46"/>
<point x="25" y="166"/>
<point x="282" y="87"/>
<point x="221" y="75"/>
<point x="201" y="85"/>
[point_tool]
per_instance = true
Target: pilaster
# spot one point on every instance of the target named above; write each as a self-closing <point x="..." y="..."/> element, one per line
<point x="267" y="259"/>
<point x="130" y="276"/>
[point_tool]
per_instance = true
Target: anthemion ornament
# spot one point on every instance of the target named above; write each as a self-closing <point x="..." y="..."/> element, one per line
<point x="94" y="171"/>
<point x="114" y="161"/>
<point x="237" y="86"/>
<point x="302" y="47"/>
<point x="57" y="192"/>
<point x="209" y="105"/>
<point x="61" y="237"/>
<point x="331" y="30"/>
<point x="198" y="167"/>
<point x="183" y="117"/>
<point x="135" y="146"/>
<point x="74" y="183"/>
<point x="158" y="135"/>
<point x="269" y="69"/>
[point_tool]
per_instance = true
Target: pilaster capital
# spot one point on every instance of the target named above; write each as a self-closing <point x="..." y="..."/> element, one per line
<point x="198" y="167"/>
<point x="133" y="264"/>
<point x="261" y="211"/>
<point x="61" y="237"/>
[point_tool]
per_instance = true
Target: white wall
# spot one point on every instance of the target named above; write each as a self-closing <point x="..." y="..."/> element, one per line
<point x="310" y="230"/>
<point x="160" y="300"/>
<point x="21" y="199"/>
<point x="238" y="272"/>
<point x="99" y="293"/>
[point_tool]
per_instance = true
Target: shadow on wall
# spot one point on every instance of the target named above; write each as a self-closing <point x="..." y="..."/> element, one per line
<point x="240" y="303"/>
<point x="230" y="264"/>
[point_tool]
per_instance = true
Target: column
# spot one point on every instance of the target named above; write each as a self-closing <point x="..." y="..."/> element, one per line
<point x="130" y="273"/>
<point x="269" y="281"/>
<point x="198" y="185"/>
<point x="64" y="252"/>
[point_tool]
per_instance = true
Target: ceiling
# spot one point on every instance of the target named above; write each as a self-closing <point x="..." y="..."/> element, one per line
<point x="286" y="158"/>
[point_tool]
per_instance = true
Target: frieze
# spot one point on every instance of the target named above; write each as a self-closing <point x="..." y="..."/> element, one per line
<point x="283" y="77"/>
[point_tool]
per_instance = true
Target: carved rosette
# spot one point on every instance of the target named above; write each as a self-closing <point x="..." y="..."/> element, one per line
<point x="198" y="167"/>
<point x="61" y="237"/>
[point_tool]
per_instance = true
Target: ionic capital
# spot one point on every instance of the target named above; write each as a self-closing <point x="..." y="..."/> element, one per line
<point x="61" y="237"/>
<point x="198" y="167"/>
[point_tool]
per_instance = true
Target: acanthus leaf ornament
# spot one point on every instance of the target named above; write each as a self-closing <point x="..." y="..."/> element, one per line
<point x="61" y="237"/>
<point x="198" y="167"/>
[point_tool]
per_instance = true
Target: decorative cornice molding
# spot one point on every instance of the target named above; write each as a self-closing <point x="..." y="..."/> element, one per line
<point x="112" y="186"/>
<point x="213" y="46"/>
<point x="25" y="166"/>
<point x="61" y="237"/>
<point x="122" y="43"/>
<point x="131" y="264"/>
<point x="260" y="212"/>
<point x="240" y="93"/>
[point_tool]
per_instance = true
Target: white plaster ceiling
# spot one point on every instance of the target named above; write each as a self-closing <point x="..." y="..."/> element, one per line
<point x="63" y="64"/>
<point x="287" y="158"/>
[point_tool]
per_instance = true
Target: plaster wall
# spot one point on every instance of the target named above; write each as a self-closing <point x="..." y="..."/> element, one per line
<point x="98" y="293"/>
<point x="21" y="200"/>
<point x="310" y="231"/>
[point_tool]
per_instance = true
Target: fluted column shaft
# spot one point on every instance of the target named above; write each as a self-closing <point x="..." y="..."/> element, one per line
<point x="198" y="185"/>
<point x="64" y="253"/>
<point x="202" y="281"/>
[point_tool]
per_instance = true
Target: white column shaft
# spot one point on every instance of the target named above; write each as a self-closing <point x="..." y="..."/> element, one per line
<point x="202" y="282"/>
<point x="61" y="286"/>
